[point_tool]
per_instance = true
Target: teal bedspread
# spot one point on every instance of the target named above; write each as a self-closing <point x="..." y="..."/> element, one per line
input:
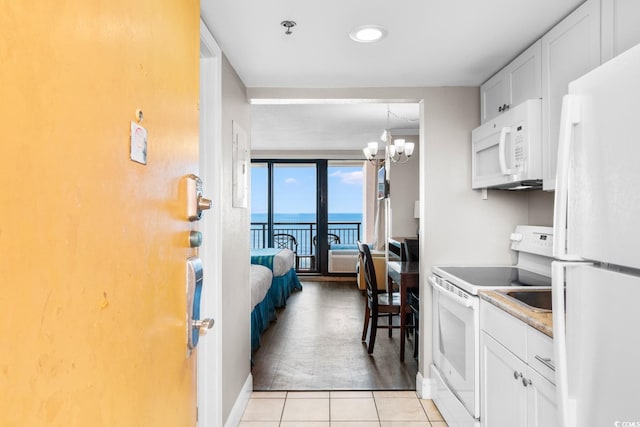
<point x="281" y="288"/>
<point x="264" y="256"/>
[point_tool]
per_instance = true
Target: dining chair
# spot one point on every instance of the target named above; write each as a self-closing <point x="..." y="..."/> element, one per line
<point x="411" y="249"/>
<point x="413" y="300"/>
<point x="378" y="302"/>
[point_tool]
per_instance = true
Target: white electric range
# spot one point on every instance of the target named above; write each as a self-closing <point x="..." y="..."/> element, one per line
<point x="456" y="318"/>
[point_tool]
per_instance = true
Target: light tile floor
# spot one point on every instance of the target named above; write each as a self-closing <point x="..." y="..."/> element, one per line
<point x="340" y="409"/>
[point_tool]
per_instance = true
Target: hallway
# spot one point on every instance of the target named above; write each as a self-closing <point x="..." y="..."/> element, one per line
<point x="315" y="345"/>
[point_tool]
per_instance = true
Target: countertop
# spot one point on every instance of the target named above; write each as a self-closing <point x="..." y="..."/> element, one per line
<point x="541" y="321"/>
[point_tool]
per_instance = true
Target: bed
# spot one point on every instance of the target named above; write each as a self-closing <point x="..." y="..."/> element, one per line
<point x="282" y="263"/>
<point x="263" y="309"/>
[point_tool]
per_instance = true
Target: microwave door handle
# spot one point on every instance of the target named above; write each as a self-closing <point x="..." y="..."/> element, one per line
<point x="502" y="151"/>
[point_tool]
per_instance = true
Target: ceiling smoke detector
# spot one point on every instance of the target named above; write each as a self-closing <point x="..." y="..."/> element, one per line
<point x="288" y="25"/>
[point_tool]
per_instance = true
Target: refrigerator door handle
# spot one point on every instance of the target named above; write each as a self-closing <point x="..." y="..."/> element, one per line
<point x="559" y="339"/>
<point x="568" y="119"/>
<point x="566" y="406"/>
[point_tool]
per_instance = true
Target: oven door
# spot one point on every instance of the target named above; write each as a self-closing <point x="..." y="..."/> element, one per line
<point x="456" y="337"/>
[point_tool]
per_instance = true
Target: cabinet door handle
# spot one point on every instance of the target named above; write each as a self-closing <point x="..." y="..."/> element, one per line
<point x="505" y="107"/>
<point x="517" y="374"/>
<point x="526" y="381"/>
<point x="500" y="109"/>
<point x="546" y="362"/>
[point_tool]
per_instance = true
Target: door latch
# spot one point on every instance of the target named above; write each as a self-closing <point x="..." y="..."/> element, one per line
<point x="196" y="202"/>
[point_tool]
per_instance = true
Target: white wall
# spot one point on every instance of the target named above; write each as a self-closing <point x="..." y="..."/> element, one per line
<point x="235" y="322"/>
<point x="405" y="187"/>
<point x="541" y="208"/>
<point x="459" y="227"/>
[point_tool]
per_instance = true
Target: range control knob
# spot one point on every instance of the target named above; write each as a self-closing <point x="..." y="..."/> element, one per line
<point x="516" y="237"/>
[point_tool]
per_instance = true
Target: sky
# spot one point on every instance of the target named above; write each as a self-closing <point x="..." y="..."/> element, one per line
<point x="295" y="189"/>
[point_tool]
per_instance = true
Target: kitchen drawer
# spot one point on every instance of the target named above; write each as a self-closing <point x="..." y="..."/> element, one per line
<point x="506" y="329"/>
<point x="540" y="353"/>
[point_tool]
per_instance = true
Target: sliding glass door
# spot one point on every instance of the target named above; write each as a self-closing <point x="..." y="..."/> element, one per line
<point x="306" y="206"/>
<point x="260" y="201"/>
<point x="345" y="202"/>
<point x="295" y="213"/>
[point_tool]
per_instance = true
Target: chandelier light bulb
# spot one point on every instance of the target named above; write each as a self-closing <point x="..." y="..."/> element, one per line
<point x="408" y="149"/>
<point x="373" y="148"/>
<point x="395" y="150"/>
<point x="392" y="151"/>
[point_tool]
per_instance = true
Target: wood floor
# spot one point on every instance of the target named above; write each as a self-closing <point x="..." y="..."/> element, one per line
<point x="315" y="345"/>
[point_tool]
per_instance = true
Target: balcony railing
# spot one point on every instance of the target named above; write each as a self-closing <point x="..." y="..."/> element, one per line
<point x="304" y="233"/>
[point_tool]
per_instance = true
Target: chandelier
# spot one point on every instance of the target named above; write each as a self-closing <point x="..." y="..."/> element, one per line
<point x="396" y="149"/>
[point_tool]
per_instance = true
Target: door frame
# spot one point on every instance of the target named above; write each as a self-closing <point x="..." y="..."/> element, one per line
<point x="209" y="375"/>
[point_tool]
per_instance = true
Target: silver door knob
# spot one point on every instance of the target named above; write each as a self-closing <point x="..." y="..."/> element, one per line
<point x="202" y="325"/>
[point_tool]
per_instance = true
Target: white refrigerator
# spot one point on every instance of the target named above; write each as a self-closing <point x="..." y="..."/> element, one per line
<point x="597" y="243"/>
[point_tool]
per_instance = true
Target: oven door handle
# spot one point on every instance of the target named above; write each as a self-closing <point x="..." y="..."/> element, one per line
<point x="466" y="302"/>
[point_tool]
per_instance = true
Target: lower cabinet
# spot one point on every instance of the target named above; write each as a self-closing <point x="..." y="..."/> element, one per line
<point x="503" y="397"/>
<point x="541" y="400"/>
<point x="513" y="393"/>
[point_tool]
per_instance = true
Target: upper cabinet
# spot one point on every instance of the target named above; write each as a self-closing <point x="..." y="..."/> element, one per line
<point x="493" y="97"/>
<point x="620" y="27"/>
<point x="514" y="84"/>
<point x="569" y="50"/>
<point x="595" y="32"/>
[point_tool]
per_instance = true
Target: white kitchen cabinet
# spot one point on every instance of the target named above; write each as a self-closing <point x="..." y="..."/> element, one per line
<point x="569" y="50"/>
<point x="503" y="398"/>
<point x="514" y="84"/>
<point x="620" y="27"/>
<point x="541" y="400"/>
<point x="513" y="392"/>
<point x="493" y="96"/>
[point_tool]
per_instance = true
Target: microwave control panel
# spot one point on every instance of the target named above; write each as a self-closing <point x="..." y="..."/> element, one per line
<point x="519" y="153"/>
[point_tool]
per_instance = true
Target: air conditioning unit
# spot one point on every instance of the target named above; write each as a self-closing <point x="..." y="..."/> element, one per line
<point x="343" y="261"/>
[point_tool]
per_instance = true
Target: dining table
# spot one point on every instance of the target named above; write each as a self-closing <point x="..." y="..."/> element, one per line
<point x="406" y="275"/>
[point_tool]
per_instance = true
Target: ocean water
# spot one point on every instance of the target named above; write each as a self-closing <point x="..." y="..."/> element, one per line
<point x="308" y="217"/>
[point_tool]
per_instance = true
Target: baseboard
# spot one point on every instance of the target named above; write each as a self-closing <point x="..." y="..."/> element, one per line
<point x="424" y="386"/>
<point x="241" y="403"/>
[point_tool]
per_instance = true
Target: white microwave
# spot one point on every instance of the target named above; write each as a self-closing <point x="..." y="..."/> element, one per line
<point x="507" y="150"/>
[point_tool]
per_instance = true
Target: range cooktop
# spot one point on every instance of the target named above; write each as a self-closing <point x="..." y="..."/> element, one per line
<point x="473" y="279"/>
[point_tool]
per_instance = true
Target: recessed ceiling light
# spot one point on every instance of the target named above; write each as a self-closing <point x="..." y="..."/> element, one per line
<point x="368" y="33"/>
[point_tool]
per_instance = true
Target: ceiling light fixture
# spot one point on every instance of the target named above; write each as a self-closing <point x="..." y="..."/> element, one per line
<point x="368" y="33"/>
<point x="398" y="150"/>
<point x="288" y="25"/>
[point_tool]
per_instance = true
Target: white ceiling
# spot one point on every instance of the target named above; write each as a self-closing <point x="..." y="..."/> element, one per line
<point x="328" y="127"/>
<point x="429" y="43"/>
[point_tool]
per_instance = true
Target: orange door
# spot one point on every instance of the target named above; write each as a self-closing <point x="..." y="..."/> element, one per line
<point x="92" y="244"/>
